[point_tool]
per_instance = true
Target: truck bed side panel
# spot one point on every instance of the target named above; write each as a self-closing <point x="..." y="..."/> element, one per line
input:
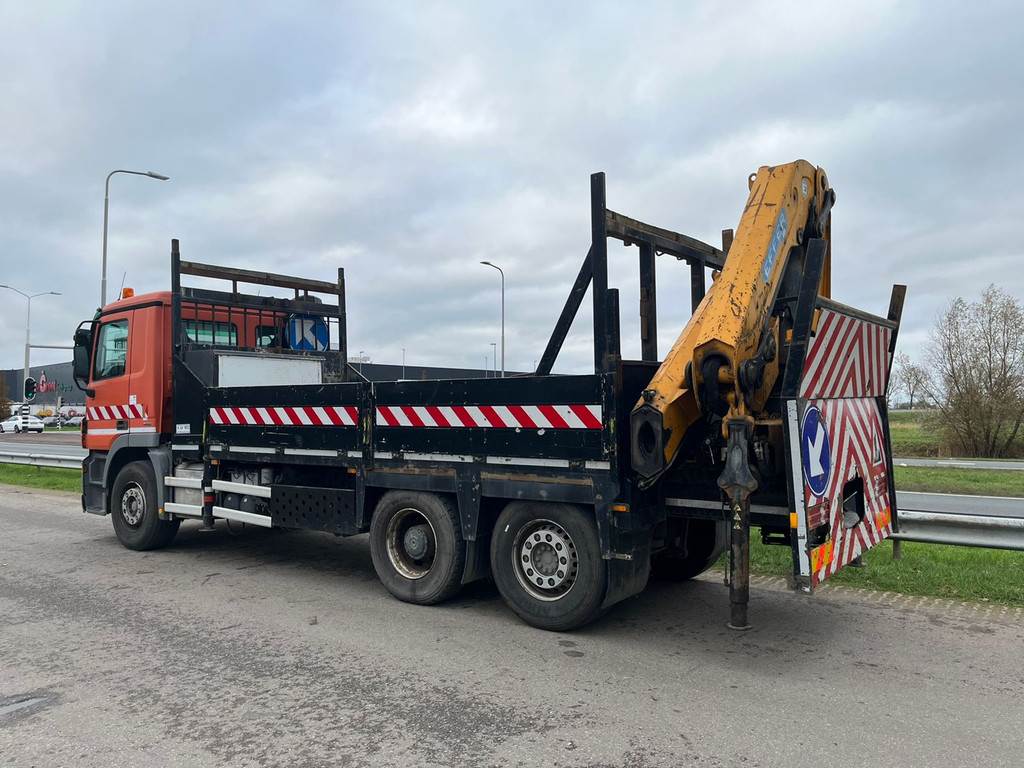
<point x="323" y="417"/>
<point x="551" y="418"/>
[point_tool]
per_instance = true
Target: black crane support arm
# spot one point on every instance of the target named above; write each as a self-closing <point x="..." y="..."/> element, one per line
<point x="683" y="247"/>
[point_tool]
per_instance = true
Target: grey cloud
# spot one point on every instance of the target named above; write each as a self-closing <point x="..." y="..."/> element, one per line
<point x="408" y="142"/>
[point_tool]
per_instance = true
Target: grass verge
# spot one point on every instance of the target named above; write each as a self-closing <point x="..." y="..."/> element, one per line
<point x="977" y="482"/>
<point x="931" y="570"/>
<point x="45" y="478"/>
<point x="912" y="435"/>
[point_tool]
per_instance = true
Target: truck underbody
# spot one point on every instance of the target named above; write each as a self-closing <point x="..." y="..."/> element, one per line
<point x="532" y="480"/>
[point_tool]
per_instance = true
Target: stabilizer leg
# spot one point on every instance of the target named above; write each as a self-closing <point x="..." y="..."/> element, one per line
<point x="738" y="482"/>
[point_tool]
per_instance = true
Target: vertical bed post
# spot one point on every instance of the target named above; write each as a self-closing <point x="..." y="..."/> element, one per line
<point x="648" y="304"/>
<point x="599" y="264"/>
<point x="896" y="299"/>
<point x="342" y="327"/>
<point x="175" y="298"/>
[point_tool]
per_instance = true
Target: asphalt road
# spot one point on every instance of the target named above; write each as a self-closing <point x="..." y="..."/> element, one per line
<point x="281" y="649"/>
<point x="53" y="443"/>
<point x="50" y="450"/>
<point x="960" y="463"/>
<point x="992" y="506"/>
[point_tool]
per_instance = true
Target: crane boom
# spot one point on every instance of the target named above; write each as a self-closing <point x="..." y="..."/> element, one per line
<point x="725" y="361"/>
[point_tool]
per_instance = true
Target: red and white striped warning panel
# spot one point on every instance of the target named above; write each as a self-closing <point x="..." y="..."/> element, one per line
<point x="843" y="439"/>
<point x="111" y="412"/>
<point x="286" y="416"/>
<point x="847" y="357"/>
<point x="501" y="416"/>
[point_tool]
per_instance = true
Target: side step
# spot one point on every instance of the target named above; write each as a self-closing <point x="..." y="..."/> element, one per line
<point x="183" y="510"/>
<point x="243" y="517"/>
<point x="244" y="489"/>
<point x="185" y="489"/>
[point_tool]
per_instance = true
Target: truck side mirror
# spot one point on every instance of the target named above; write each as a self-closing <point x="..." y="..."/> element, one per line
<point x="80" y="356"/>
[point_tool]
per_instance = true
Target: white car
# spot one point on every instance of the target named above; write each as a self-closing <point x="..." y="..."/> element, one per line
<point x="13" y="424"/>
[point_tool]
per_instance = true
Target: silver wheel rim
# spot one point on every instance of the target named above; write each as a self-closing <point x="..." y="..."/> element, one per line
<point x="406" y="529"/>
<point x="133" y="504"/>
<point x="545" y="560"/>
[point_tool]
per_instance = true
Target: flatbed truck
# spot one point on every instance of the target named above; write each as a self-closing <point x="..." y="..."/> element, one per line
<point x="570" y="491"/>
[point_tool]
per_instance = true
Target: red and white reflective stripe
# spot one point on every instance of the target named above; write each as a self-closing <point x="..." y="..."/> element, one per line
<point x="286" y="416"/>
<point x="500" y="416"/>
<point x="112" y="412"/>
<point x="847" y="358"/>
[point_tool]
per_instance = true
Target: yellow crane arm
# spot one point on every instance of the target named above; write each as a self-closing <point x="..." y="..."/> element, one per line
<point x="726" y="359"/>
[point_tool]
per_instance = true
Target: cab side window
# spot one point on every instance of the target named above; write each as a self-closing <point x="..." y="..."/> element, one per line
<point x="206" y="332"/>
<point x="111" y="350"/>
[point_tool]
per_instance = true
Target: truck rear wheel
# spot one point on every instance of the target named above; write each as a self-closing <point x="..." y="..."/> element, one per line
<point x="694" y="547"/>
<point x="546" y="561"/>
<point x="134" y="512"/>
<point x="417" y="546"/>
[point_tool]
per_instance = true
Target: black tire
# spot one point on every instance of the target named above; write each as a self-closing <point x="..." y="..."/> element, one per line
<point x="694" y="547"/>
<point x="417" y="546"/>
<point x="546" y="562"/>
<point x="133" y="509"/>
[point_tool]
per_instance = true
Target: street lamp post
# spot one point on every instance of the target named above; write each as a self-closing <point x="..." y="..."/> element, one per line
<point x="403" y="362"/>
<point x="494" y="353"/>
<point x="488" y="264"/>
<point x="106" y="210"/>
<point x="28" y="323"/>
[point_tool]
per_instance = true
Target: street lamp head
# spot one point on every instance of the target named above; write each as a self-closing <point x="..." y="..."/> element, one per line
<point x="155" y="175"/>
<point x="54" y="293"/>
<point x="487" y="263"/>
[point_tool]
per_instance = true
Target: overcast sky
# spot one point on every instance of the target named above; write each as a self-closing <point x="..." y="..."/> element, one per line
<point x="408" y="141"/>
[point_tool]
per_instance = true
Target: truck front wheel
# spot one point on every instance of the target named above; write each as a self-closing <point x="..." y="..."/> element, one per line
<point x="546" y="561"/>
<point x="133" y="509"/>
<point x="417" y="546"/>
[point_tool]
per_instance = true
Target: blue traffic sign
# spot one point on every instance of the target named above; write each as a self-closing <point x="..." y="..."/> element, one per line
<point x="816" y="452"/>
<point x="308" y="334"/>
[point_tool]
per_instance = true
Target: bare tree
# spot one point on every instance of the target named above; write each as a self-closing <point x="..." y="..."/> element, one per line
<point x="909" y="376"/>
<point x="976" y="372"/>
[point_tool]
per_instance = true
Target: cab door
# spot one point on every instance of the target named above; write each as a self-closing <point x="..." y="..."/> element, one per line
<point x="107" y="411"/>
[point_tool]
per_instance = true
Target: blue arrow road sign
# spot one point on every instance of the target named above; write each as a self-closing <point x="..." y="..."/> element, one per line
<point x="815" y="451"/>
<point x="308" y="334"/>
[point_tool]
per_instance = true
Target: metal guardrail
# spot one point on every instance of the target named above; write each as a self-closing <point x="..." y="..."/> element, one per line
<point x="40" y="459"/>
<point x="959" y="529"/>
<point x="963" y="530"/>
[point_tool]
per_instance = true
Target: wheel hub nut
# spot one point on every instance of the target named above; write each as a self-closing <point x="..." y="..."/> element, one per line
<point x="416" y="541"/>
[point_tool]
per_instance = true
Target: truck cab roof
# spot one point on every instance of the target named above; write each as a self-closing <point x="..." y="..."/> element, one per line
<point x="139" y="300"/>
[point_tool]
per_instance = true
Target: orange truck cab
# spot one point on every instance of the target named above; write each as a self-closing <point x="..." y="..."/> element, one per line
<point x="123" y="362"/>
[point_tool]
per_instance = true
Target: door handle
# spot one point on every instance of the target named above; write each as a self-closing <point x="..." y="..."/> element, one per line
<point x="122" y="424"/>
